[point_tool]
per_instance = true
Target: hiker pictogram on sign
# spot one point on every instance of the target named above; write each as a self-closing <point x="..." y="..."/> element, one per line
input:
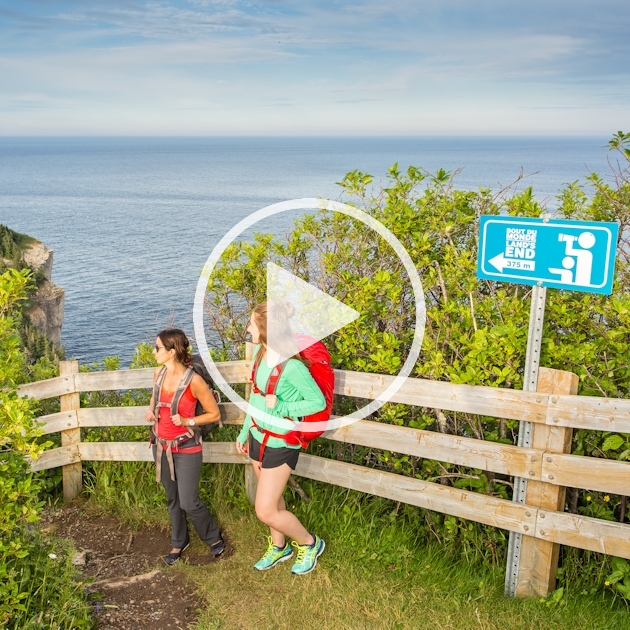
<point x="577" y="265"/>
<point x="577" y="255"/>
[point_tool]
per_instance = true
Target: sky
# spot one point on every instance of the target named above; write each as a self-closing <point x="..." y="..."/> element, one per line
<point x="375" y="67"/>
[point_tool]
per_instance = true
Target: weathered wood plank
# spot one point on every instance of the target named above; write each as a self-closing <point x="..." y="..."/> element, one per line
<point x="453" y="449"/>
<point x="59" y="421"/>
<point x="500" y="458"/>
<point x="590" y="473"/>
<point x="115" y="452"/>
<point x="232" y="371"/>
<point x="118" y="379"/>
<point x="50" y="388"/>
<point x="231" y="414"/>
<point x="56" y="457"/>
<point x="134" y="416"/>
<point x="213" y="452"/>
<point x="589" y="412"/>
<point x="474" y="506"/>
<point x="538" y="562"/>
<point x="487" y="401"/>
<point x="584" y="532"/>
<point x="502" y="403"/>
<point x="605" y="414"/>
<point x="235" y="371"/>
<point x="72" y="474"/>
<point x="222" y="453"/>
<point x="113" y="416"/>
<point x="461" y="503"/>
<point x="567" y="470"/>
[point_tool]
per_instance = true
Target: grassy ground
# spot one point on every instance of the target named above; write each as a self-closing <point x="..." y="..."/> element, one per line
<point x="375" y="573"/>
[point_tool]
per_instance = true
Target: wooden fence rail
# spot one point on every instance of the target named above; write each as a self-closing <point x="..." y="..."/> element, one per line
<point x="581" y="412"/>
<point x="537" y="465"/>
<point x="549" y="465"/>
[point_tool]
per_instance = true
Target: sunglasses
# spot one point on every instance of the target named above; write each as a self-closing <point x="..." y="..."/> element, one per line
<point x="158" y="348"/>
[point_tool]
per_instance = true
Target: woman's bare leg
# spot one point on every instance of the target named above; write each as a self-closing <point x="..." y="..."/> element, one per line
<point x="276" y="536"/>
<point x="271" y="508"/>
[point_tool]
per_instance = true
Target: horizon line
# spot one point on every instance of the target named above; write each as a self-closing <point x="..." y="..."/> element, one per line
<point x="316" y="136"/>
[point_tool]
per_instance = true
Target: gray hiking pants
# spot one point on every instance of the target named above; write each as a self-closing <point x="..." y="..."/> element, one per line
<point x="182" y="497"/>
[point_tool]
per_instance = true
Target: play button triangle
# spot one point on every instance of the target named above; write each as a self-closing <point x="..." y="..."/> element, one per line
<point x="317" y="315"/>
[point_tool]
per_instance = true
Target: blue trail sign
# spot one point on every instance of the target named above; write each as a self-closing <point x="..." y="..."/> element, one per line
<point x="575" y="255"/>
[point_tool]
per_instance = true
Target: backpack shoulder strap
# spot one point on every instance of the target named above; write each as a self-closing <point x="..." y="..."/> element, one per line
<point x="157" y="389"/>
<point x="274" y="377"/>
<point x="181" y="388"/>
<point x="257" y="358"/>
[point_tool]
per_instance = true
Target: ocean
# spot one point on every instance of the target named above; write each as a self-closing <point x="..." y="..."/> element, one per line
<point x="133" y="220"/>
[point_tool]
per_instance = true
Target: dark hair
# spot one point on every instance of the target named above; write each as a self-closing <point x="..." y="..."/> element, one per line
<point x="175" y="339"/>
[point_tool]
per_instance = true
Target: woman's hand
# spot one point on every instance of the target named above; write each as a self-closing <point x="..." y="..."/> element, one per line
<point x="241" y="448"/>
<point x="271" y="400"/>
<point x="149" y="416"/>
<point x="179" y="421"/>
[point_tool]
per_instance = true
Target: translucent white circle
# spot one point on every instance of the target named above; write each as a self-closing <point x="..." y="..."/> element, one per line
<point x="300" y="204"/>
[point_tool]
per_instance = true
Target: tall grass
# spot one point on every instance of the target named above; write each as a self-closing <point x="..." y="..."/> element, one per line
<point x="128" y="490"/>
<point x="54" y="597"/>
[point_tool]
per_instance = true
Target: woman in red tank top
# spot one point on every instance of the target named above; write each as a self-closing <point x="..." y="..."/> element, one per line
<point x="165" y="428"/>
<point x="180" y="453"/>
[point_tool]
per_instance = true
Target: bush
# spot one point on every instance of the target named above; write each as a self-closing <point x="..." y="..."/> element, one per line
<point x="22" y="555"/>
<point x="476" y="330"/>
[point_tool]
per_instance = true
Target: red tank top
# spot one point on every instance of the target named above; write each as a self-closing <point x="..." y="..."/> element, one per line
<point x="165" y="428"/>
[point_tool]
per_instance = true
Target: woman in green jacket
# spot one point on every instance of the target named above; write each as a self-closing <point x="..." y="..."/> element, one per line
<point x="296" y="395"/>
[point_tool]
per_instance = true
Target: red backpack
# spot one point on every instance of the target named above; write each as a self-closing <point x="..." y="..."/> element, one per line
<point x="318" y="358"/>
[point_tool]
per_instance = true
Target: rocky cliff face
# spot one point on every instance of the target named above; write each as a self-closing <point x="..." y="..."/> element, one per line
<point x="46" y="314"/>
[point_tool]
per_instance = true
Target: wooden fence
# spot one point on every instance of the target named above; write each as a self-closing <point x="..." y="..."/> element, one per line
<point x="549" y="467"/>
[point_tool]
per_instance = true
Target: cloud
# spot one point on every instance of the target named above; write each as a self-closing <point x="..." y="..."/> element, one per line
<point x="319" y="60"/>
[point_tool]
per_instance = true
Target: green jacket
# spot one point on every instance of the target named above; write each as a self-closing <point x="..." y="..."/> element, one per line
<point x="298" y="396"/>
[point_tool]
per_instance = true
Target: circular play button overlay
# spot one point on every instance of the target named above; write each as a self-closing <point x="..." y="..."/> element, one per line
<point x="317" y="313"/>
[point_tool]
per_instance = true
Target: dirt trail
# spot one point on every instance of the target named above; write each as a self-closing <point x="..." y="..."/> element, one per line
<point x="132" y="587"/>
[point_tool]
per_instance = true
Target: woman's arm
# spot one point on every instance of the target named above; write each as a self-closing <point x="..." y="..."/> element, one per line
<point x="247" y="424"/>
<point x="244" y="432"/>
<point x="312" y="398"/>
<point x="202" y="393"/>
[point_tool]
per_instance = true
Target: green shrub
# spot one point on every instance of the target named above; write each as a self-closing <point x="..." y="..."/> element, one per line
<point x="476" y="330"/>
<point x="28" y="582"/>
<point x="43" y="587"/>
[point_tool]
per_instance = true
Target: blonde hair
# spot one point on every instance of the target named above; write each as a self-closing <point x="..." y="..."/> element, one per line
<point x="282" y="341"/>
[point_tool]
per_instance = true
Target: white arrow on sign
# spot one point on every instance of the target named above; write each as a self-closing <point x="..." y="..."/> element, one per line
<point x="498" y="262"/>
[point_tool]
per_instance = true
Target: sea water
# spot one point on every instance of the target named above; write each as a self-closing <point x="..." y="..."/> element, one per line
<point x="133" y="220"/>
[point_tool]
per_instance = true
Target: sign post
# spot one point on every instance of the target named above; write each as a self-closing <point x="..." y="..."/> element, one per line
<point x="574" y="255"/>
<point x="530" y="382"/>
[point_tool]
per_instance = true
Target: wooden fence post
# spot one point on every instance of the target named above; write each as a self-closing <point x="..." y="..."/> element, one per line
<point x="539" y="558"/>
<point x="251" y="481"/>
<point x="71" y="473"/>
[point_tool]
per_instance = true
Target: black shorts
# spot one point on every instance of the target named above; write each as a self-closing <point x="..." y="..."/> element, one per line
<point x="273" y="457"/>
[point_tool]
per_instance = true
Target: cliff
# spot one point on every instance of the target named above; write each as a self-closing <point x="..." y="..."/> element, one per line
<point x="46" y="313"/>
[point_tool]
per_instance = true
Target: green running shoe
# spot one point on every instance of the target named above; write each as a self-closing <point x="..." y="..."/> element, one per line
<point x="307" y="556"/>
<point x="273" y="556"/>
